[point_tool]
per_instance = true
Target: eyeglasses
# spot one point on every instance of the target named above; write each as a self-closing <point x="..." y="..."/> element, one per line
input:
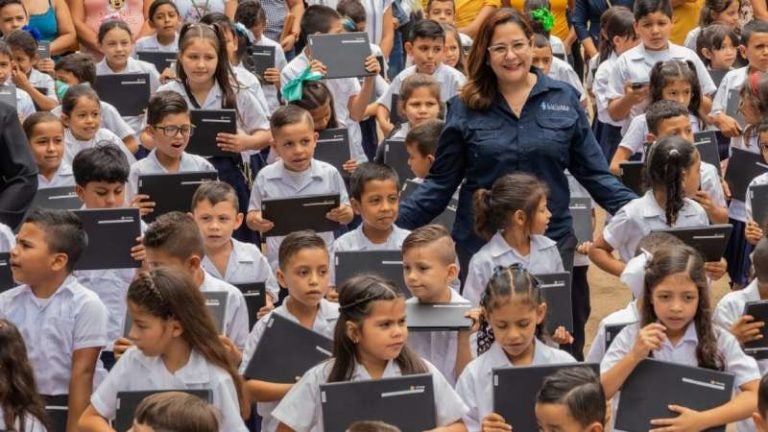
<point x="502" y="49"/>
<point x="172" y="131"/>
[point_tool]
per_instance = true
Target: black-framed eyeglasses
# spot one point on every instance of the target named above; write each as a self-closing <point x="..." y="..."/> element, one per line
<point x="173" y="130"/>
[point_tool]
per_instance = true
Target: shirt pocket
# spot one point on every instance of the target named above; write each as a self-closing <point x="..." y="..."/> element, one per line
<point x="553" y="137"/>
<point x="488" y="140"/>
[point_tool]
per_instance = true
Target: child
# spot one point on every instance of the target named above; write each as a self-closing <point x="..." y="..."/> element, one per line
<point x="714" y="12"/>
<point x="7" y="238"/>
<point x="632" y="69"/>
<point x="426" y="48"/>
<point x="513" y="318"/>
<point x="571" y="399"/>
<point x="13" y="16"/>
<point x="177" y="348"/>
<point x="717" y="46"/>
<point x="317" y="99"/>
<point x="761" y="416"/>
<point x="165" y="21"/>
<point x="169" y="125"/>
<point x="175" y="412"/>
<point x="673" y="173"/>
<point x="350" y="98"/>
<point x="251" y="14"/>
<point x="63" y="338"/>
<point x="216" y="211"/>
<point x="21" y="408"/>
<point x="513" y="216"/>
<point x="754" y="229"/>
<point x="24" y="104"/>
<point x="116" y="42"/>
<point x="24" y="73"/>
<point x="304" y="270"/>
<point x="444" y="12"/>
<point x="100" y="175"/>
<point x="555" y="68"/>
<point x="81" y="114"/>
<point x="454" y="52"/>
<point x="421" y="145"/>
<point x="420" y="101"/>
<point x="429" y="268"/>
<point x="45" y="133"/>
<point x="539" y="13"/>
<point x="297" y="174"/>
<point x="369" y="343"/>
<point x="675" y="326"/>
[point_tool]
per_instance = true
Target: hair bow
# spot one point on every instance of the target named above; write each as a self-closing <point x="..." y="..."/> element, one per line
<point x="33" y="31"/>
<point x="293" y="89"/>
<point x="544" y="17"/>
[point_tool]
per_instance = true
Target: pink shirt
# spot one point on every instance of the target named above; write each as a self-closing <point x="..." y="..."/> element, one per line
<point x="130" y="11"/>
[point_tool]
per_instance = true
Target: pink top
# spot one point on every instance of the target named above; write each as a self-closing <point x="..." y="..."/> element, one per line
<point x="130" y="11"/>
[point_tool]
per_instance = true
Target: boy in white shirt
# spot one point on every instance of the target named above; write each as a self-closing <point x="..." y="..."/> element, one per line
<point x="553" y="67"/>
<point x="38" y="85"/>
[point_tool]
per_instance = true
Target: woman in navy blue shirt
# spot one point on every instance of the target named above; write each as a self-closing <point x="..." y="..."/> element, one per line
<point x="586" y="21"/>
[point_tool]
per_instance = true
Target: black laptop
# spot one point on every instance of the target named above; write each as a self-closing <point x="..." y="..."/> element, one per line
<point x="6" y="276"/>
<point x="343" y="54"/>
<point x="437" y="316"/>
<point x="732" y="107"/>
<point x="759" y="311"/>
<point x="743" y="167"/>
<point x="111" y="235"/>
<point x="161" y="60"/>
<point x="387" y="264"/>
<point x="208" y="124"/>
<point x="333" y="148"/>
<point x="581" y="213"/>
<point x="129" y="93"/>
<point x="172" y="192"/>
<point x="260" y="58"/>
<point x="395" y="117"/>
<point x="396" y="156"/>
<point x="128" y="401"/>
<point x="706" y="143"/>
<point x="758" y="195"/>
<point x="631" y="174"/>
<point x="556" y="289"/>
<point x="300" y="213"/>
<point x="56" y="198"/>
<point x="255" y="295"/>
<point x="710" y="240"/>
<point x="406" y="402"/>
<point x="613" y="330"/>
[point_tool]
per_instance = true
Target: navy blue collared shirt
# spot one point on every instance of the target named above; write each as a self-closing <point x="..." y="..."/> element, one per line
<point x="551" y="135"/>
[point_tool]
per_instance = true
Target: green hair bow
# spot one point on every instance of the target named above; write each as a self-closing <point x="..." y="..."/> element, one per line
<point x="292" y="89"/>
<point x="544" y="17"/>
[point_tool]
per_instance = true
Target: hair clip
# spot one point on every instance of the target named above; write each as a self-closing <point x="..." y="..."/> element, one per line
<point x="294" y="88"/>
<point x="33" y="31"/>
<point x="240" y="28"/>
<point x="544" y="17"/>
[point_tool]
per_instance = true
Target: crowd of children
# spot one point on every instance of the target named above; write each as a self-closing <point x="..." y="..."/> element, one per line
<point x="75" y="339"/>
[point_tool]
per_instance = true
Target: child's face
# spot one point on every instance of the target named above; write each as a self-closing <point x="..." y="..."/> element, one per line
<point x="540" y="220"/>
<point x="675" y="301"/>
<point x="85" y="119"/>
<point x="730" y="16"/>
<point x="199" y="60"/>
<point x="295" y="144"/>
<point x="378" y="205"/>
<point x="67" y="77"/>
<point x="653" y="29"/>
<point x="22" y="60"/>
<point x="750" y="110"/>
<point x="514" y="326"/>
<point x="542" y="59"/>
<point x="217" y="222"/>
<point x="5" y="68"/>
<point x="172" y="146"/>
<point x="32" y="262"/>
<point x="117" y="45"/>
<point x="756" y="51"/>
<point x="677" y="91"/>
<point x="47" y="144"/>
<point x="723" y="57"/>
<point x="149" y="333"/>
<point x="763" y="144"/>
<point x="421" y="106"/>
<point x="442" y="12"/>
<point x="383" y="333"/>
<point x="553" y="417"/>
<point x="305" y="275"/>
<point x="100" y="194"/>
<point x="258" y="30"/>
<point x="427" y="54"/>
<point x="321" y="116"/>
<point x="692" y="177"/>
<point x="452" y="50"/>
<point x="165" y="21"/>
<point x="676" y="126"/>
<point x="419" y="164"/>
<point x="12" y="17"/>
<point x="624" y="43"/>
<point x="427" y="274"/>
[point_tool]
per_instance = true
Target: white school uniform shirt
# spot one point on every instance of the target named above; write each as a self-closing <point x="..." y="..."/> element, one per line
<point x="600" y="90"/>
<point x="635" y="66"/>
<point x="62" y="177"/>
<point x="301" y="410"/>
<point x="110" y="120"/>
<point x="73" y="318"/>
<point x="271" y="91"/>
<point x="275" y="181"/>
<point x="150" y="165"/>
<point x="150" y="43"/>
<point x="543" y="258"/>
<point x="475" y="385"/>
<point x="733" y="80"/>
<point x="691" y="38"/>
<point x="711" y="184"/>
<point x="627" y="315"/>
<point x="343" y="89"/>
<point x="757" y="181"/>
<point x="43" y="80"/>
<point x="246" y="80"/>
<point x="731" y="307"/>
<point x="325" y="324"/>
<point x="111" y="285"/>
<point x="637" y="132"/>
<point x="133" y="66"/>
<point x="246" y="264"/>
<point x="743" y="367"/>
<point x="25" y="107"/>
<point x="439" y="347"/>
<point x="73" y="146"/>
<point x="449" y="78"/>
<point x="641" y="216"/>
<point x="356" y="240"/>
<point x="138" y="372"/>
<point x="560" y="70"/>
<point x="466" y="40"/>
<point x="557" y="45"/>
<point x="31" y="424"/>
<point x="236" y="316"/>
<point x="7" y="238"/>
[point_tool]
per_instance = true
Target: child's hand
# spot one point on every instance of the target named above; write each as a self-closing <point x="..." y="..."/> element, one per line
<point x="350" y="166"/>
<point x="728" y="125"/>
<point x="46" y="65"/>
<point x="167" y="75"/>
<point x="121" y="345"/>
<point x="138" y="252"/>
<point x="318" y="66"/>
<point x="272" y="76"/>
<point x="562" y="336"/>
<point x="372" y="66"/>
<point x="638" y="95"/>
<point x="648" y="339"/>
<point x="746" y="329"/>
<point x="141" y="202"/>
<point x="234" y="143"/>
<point x="233" y="354"/>
<point x="342" y="214"/>
<point x="19" y="78"/>
<point x="752" y="232"/>
<point x="688" y="420"/>
<point x="267" y="308"/>
<point x="257" y="223"/>
<point x="723" y="183"/>
<point x="584" y="248"/>
<point x="716" y="269"/>
<point x="332" y="295"/>
<point x="475" y="314"/>
<point x="704" y="200"/>
<point x="495" y="423"/>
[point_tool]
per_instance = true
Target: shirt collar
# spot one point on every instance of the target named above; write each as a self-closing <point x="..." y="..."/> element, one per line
<point x="361" y="373"/>
<point x="651" y="207"/>
<point x="281" y="172"/>
<point x="497" y="246"/>
<point x="239" y="252"/>
<point x="689" y="336"/>
<point x="194" y="372"/>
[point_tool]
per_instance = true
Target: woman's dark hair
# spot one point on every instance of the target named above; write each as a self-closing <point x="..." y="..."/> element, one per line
<point x="74" y="93"/>
<point x="19" y="400"/>
<point x="684" y="259"/>
<point x="711" y="7"/>
<point x="579" y="389"/>
<point x="644" y="8"/>
<point x="110" y="25"/>
<point x="156" y="5"/>
<point x="712" y="38"/>
<point x="314" y="95"/>
<point x="617" y="21"/>
<point x="662" y="73"/>
<point x="666" y="164"/>
<point x="481" y="87"/>
<point x="164" y="103"/>
<point x="250" y="13"/>
<point x="504" y="284"/>
<point x="510" y="193"/>
<point x="356" y="298"/>
<point x="36" y="118"/>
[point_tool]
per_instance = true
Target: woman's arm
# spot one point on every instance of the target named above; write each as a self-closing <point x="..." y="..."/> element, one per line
<point x="67" y="38"/>
<point x="387" y="32"/>
<point x="146" y="30"/>
<point x="472" y="29"/>
<point x="81" y="384"/>
<point x="230" y="7"/>
<point x="85" y="35"/>
<point x="92" y="421"/>
<point x="760" y="9"/>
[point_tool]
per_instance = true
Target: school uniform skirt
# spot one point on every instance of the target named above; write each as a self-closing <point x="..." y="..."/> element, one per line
<point x="737" y="254"/>
<point x="232" y="170"/>
<point x="609" y="137"/>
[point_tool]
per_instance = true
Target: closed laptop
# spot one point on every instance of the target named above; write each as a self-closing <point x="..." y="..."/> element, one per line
<point x="710" y="241"/>
<point x="56" y="198"/>
<point x="343" y="54"/>
<point x="631" y="174"/>
<point x="208" y="124"/>
<point x="111" y="235"/>
<point x="300" y="213"/>
<point x="161" y="60"/>
<point x="759" y="311"/>
<point x="743" y="167"/>
<point x="437" y="316"/>
<point x="387" y="264"/>
<point x="172" y="192"/>
<point x="581" y="214"/>
<point x="128" y="93"/>
<point x="556" y="289"/>
<point x="255" y="298"/>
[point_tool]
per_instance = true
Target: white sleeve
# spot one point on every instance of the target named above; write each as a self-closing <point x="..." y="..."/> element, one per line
<point x="636" y="134"/>
<point x="112" y="120"/>
<point x="226" y="401"/>
<point x="252" y="342"/>
<point x="466" y="389"/>
<point x="252" y="117"/>
<point x="341" y="187"/>
<point x="385" y="99"/>
<point x="728" y="310"/>
<point x="449" y="407"/>
<point x="720" y="101"/>
<point x="742" y="366"/>
<point x="254" y="204"/>
<point x="104" y="399"/>
<point x="477" y="277"/>
<point x="619" y="348"/>
<point x="623" y="234"/>
<point x="90" y="325"/>
<point x="615" y="87"/>
<point x="597" y="349"/>
<point x="300" y="408"/>
<point x="600" y="90"/>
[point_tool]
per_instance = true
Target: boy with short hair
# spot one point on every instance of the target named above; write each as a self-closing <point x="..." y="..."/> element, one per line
<point x="421" y="145"/>
<point x="25" y="76"/>
<point x="444" y="12"/>
<point x="296" y="174"/>
<point x="571" y="400"/>
<point x="13" y="16"/>
<point x="216" y="210"/>
<point x="64" y="324"/>
<point x="303" y="270"/>
<point x="429" y="268"/>
<point x="426" y="48"/>
<point x="553" y="67"/>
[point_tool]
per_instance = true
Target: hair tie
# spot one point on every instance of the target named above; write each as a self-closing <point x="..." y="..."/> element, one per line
<point x="349" y="24"/>
<point x="61" y="89"/>
<point x="674" y="153"/>
<point x="544" y="17"/>
<point x="33" y="31"/>
<point x="240" y="28"/>
<point x="293" y="89"/>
